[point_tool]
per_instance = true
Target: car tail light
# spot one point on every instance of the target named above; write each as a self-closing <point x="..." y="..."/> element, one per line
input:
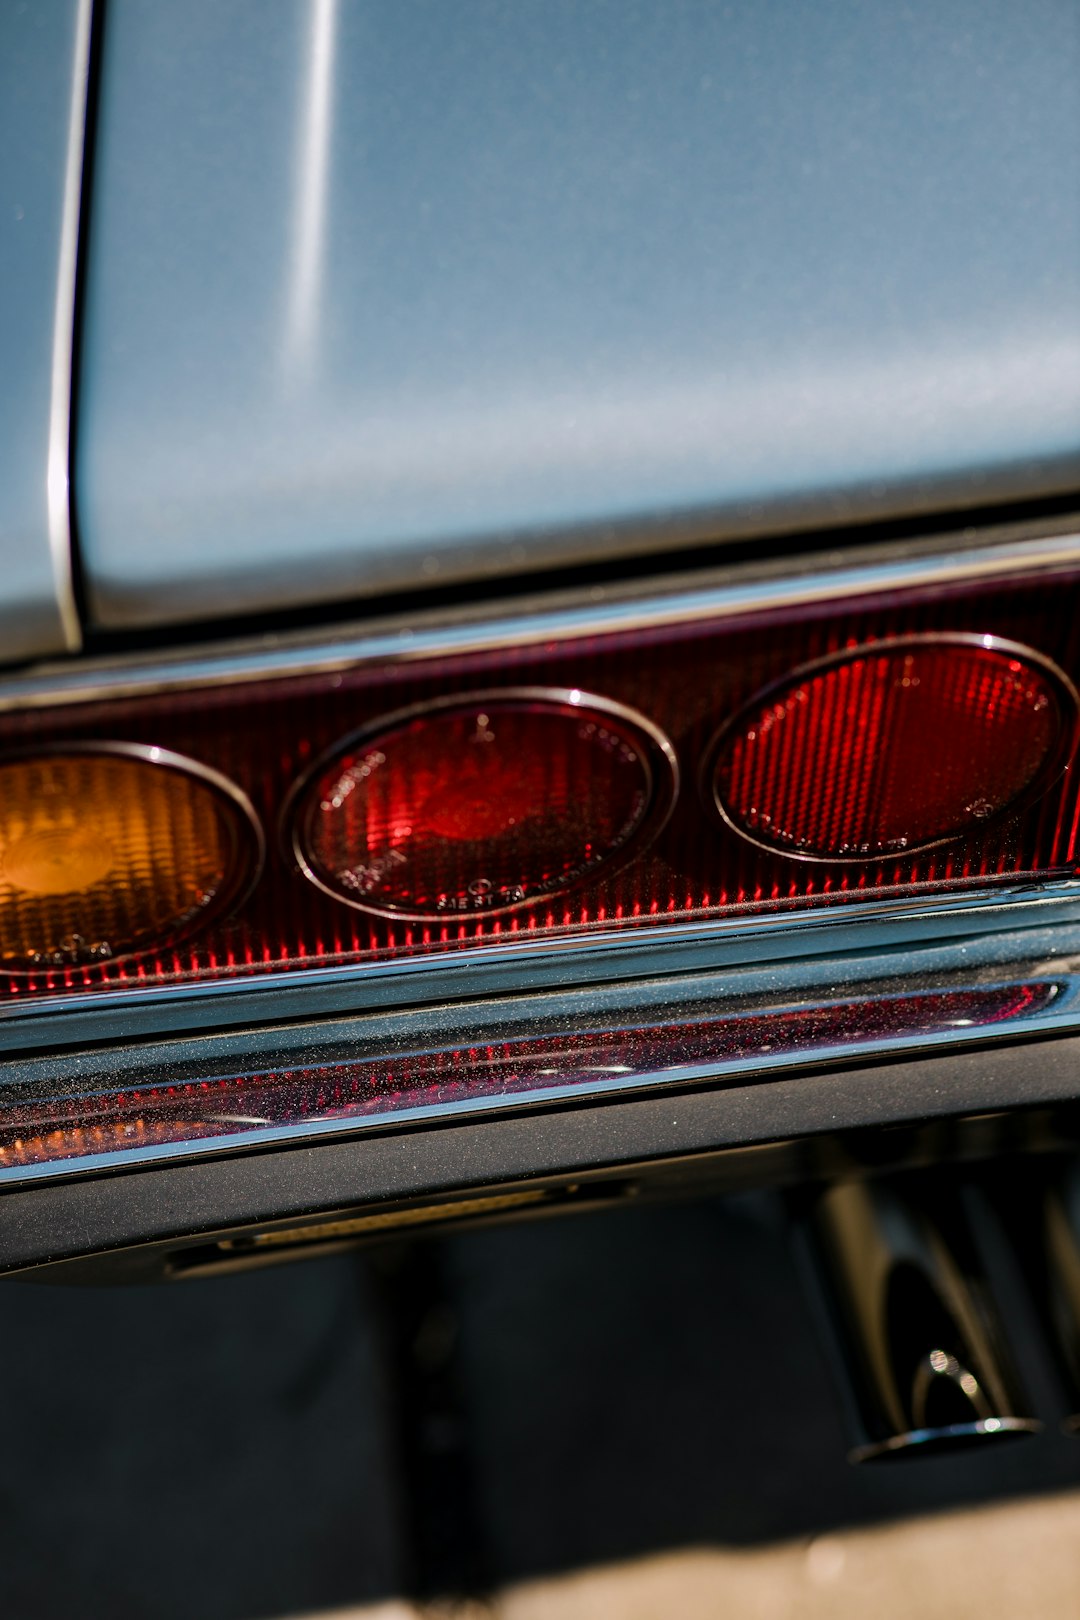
<point x="395" y="831"/>
<point x="407" y="821"/>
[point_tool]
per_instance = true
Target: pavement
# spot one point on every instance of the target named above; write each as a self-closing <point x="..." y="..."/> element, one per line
<point x="997" y="1563"/>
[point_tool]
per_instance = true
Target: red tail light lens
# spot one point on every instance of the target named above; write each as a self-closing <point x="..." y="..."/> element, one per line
<point x="893" y="748"/>
<point x="482" y="805"/>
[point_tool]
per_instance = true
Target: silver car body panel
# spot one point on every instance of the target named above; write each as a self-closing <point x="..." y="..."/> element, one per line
<point x="44" y="54"/>
<point x="382" y="296"/>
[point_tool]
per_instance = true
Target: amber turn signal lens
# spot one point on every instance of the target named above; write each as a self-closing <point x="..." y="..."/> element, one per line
<point x="110" y="850"/>
<point x="894" y="747"/>
<point x="482" y="804"/>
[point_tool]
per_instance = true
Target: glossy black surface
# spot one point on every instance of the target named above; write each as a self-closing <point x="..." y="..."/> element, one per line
<point x="916" y="1335"/>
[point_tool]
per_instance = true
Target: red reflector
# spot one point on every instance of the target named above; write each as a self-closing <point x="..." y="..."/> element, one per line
<point x="482" y="804"/>
<point x="893" y="748"/>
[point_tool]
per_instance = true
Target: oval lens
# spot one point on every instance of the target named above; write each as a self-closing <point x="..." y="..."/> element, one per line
<point x="896" y="747"/>
<point x="478" y="806"/>
<point x="108" y="852"/>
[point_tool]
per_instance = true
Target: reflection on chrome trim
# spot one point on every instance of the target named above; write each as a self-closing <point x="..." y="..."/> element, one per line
<point x="72" y="1115"/>
<point x="57" y="483"/>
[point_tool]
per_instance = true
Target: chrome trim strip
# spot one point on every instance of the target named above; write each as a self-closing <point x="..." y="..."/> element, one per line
<point x="1051" y="958"/>
<point x="779" y="942"/>
<point x="718" y="593"/>
<point x="58" y="476"/>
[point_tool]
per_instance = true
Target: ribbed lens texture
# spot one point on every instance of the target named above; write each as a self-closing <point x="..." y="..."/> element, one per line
<point x="102" y="855"/>
<point x="899" y="747"/>
<point x="476" y="808"/>
<point x="867" y="760"/>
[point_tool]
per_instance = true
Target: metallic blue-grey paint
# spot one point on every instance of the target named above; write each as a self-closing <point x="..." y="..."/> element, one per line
<point x="380" y="295"/>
